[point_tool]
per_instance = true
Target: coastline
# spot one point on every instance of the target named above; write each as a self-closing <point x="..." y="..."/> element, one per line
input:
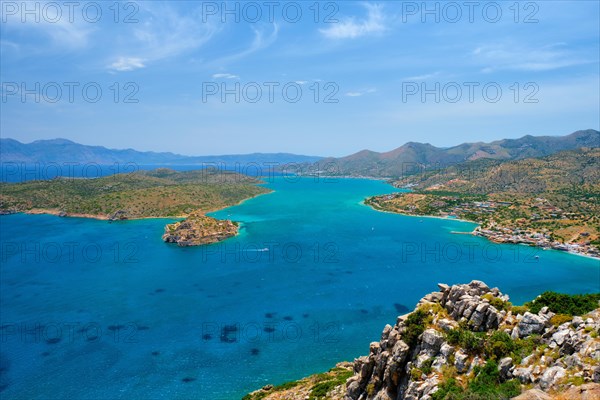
<point x="238" y="203"/>
<point x="473" y="233"/>
<point x="105" y="217"/>
<point x="99" y="217"/>
<point x="423" y="216"/>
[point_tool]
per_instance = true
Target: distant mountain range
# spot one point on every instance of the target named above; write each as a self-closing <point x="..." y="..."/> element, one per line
<point x="392" y="164"/>
<point x="570" y="171"/>
<point x="414" y="156"/>
<point x="63" y="150"/>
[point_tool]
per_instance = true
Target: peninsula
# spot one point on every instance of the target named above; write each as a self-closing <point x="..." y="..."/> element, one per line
<point x="550" y="202"/>
<point x="160" y="193"/>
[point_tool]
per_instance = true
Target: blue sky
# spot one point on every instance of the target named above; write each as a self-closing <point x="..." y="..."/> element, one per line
<point x="368" y="73"/>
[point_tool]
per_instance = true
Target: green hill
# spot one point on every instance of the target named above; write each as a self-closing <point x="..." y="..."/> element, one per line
<point x="158" y="193"/>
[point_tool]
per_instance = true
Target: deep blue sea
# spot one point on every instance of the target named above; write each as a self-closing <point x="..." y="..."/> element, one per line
<point x="98" y="310"/>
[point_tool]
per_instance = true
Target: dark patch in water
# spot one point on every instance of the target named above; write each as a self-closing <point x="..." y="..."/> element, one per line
<point x="155" y="353"/>
<point x="206" y="336"/>
<point x="212" y="296"/>
<point x="143" y="328"/>
<point x="305" y="315"/>
<point x="400" y="308"/>
<point x="188" y="379"/>
<point x="228" y="334"/>
<point x="270" y="314"/>
<point x="53" y="340"/>
<point x="363" y="311"/>
<point x="159" y="290"/>
<point x="288" y="318"/>
<point x="3" y="387"/>
<point x="92" y="338"/>
<point x="269" y="329"/>
<point x="115" y="327"/>
<point x="254" y="352"/>
<point x="44" y="354"/>
<point x="349" y="272"/>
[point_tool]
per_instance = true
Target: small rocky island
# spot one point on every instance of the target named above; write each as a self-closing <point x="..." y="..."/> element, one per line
<point x="198" y="229"/>
<point x="159" y="193"/>
<point x="468" y="342"/>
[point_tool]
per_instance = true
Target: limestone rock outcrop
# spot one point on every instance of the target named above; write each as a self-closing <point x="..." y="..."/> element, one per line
<point x="400" y="367"/>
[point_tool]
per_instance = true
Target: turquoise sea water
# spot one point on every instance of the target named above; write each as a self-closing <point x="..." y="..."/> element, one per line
<point x="92" y="310"/>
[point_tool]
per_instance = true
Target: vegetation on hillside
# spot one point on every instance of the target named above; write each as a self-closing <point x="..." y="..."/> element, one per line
<point x="539" y="201"/>
<point x="158" y="193"/>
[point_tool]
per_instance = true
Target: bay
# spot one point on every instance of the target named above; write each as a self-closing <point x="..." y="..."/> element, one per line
<point x="97" y="310"/>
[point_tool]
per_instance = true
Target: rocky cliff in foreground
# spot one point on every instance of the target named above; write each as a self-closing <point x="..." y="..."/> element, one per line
<point x="468" y="342"/>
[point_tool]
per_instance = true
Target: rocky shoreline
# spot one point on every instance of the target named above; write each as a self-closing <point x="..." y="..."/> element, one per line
<point x="465" y="340"/>
<point x="195" y="230"/>
<point x="496" y="233"/>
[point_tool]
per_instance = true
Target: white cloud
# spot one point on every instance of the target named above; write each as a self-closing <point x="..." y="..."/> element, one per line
<point x="63" y="33"/>
<point x="422" y="77"/>
<point x="127" y="64"/>
<point x="225" y="76"/>
<point x="301" y="82"/>
<point x="350" y="28"/>
<point x="511" y="57"/>
<point x="162" y="33"/>
<point x="359" y="93"/>
<point x="259" y="42"/>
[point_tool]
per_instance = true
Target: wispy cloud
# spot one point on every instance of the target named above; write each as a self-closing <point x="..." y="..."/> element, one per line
<point x="62" y="33"/>
<point x="544" y="58"/>
<point x="127" y="64"/>
<point x="423" y="77"/>
<point x="163" y="33"/>
<point x="360" y="93"/>
<point x="351" y="28"/>
<point x="225" y="76"/>
<point x="260" y="41"/>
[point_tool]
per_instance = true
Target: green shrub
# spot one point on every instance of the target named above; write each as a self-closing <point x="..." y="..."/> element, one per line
<point x="560" y="319"/>
<point x="578" y="304"/>
<point x="525" y="347"/>
<point x="415" y="373"/>
<point x="498" y="303"/>
<point x="470" y="341"/>
<point x="426" y="366"/>
<point x="286" y="386"/>
<point x="519" y="310"/>
<point x="487" y="383"/>
<point x="325" y="383"/>
<point x="415" y="326"/>
<point x="370" y="389"/>
<point x="446" y="389"/>
<point x="499" y="345"/>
